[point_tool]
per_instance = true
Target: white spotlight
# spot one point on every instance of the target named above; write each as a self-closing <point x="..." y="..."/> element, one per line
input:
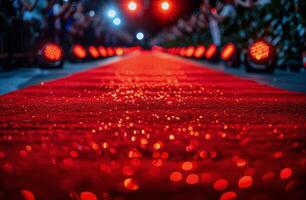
<point x="117" y="21"/>
<point x="111" y="13"/>
<point x="92" y="13"/>
<point x="140" y="36"/>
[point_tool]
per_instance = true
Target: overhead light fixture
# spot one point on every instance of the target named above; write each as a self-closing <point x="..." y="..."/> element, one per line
<point x="117" y="21"/>
<point x="140" y="36"/>
<point x="111" y="13"/>
<point x="132" y="6"/>
<point x="165" y="5"/>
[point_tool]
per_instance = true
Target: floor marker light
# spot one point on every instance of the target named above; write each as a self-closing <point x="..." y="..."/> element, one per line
<point x="93" y="51"/>
<point x="79" y="51"/>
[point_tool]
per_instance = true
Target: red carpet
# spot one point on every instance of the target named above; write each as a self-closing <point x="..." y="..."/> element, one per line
<point x="152" y="127"/>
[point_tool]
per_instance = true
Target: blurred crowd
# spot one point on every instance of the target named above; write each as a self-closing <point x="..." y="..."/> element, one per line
<point x="62" y="21"/>
<point x="280" y="22"/>
<point x="211" y="15"/>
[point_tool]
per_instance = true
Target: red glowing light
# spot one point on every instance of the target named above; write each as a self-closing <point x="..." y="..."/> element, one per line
<point x="187" y="166"/>
<point x="103" y="52"/>
<point x="190" y="51"/>
<point x="119" y="51"/>
<point x="166" y="8"/>
<point x="88" y="196"/>
<point x="220" y="184"/>
<point x="183" y="51"/>
<point x="79" y="51"/>
<point x="157" y="145"/>
<point x="214" y="11"/>
<point x="110" y="51"/>
<point x="192" y="179"/>
<point x="27" y="195"/>
<point x="199" y="52"/>
<point x="260" y="51"/>
<point x="178" y="50"/>
<point x="228" y="51"/>
<point x="176" y="176"/>
<point x="211" y="51"/>
<point x="130" y="184"/>
<point x="132" y="6"/>
<point x="228" y="196"/>
<point x="165" y="5"/>
<point x="128" y="170"/>
<point x="52" y="52"/>
<point x="93" y="51"/>
<point x="285" y="173"/>
<point x="245" y="182"/>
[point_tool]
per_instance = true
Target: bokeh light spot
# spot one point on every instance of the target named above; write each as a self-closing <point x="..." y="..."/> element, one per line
<point x="27" y="195"/>
<point x="220" y="184"/>
<point x="130" y="184"/>
<point x="176" y="176"/>
<point x="285" y="173"/>
<point x="88" y="196"/>
<point x="228" y="196"/>
<point x="187" y="166"/>
<point x="245" y="182"/>
<point x="192" y="179"/>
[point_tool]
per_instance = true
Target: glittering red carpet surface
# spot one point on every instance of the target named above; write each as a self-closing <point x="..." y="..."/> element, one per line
<point x="152" y="126"/>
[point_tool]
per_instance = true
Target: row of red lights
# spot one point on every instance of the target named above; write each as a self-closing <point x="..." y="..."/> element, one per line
<point x="198" y="52"/>
<point x="260" y="51"/>
<point x="52" y="52"/>
<point x="94" y="52"/>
